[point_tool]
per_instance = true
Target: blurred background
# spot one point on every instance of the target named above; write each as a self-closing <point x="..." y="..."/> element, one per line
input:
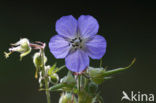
<point x="129" y="28"/>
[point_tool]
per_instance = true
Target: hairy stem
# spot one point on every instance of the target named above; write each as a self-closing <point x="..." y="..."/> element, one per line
<point x="47" y="92"/>
<point x="79" y="83"/>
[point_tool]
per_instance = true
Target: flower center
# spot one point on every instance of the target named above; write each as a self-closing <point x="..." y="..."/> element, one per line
<point x="76" y="43"/>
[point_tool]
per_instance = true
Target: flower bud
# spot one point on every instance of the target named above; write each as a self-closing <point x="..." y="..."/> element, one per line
<point x="38" y="62"/>
<point x="96" y="74"/>
<point x="22" y="46"/>
<point x="67" y="98"/>
<point x="54" y="78"/>
<point x="37" y="59"/>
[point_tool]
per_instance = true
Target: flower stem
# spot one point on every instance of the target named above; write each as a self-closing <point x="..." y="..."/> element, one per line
<point x="47" y="92"/>
<point x="79" y="83"/>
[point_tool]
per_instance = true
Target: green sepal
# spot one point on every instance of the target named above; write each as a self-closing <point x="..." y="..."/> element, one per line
<point x="50" y="71"/>
<point x="114" y="71"/>
<point x="60" y="68"/>
<point x="55" y="69"/>
<point x="96" y="74"/>
<point x="25" y="53"/>
<point x="69" y="79"/>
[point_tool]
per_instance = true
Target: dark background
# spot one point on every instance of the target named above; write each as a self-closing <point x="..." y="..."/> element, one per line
<point x="129" y="28"/>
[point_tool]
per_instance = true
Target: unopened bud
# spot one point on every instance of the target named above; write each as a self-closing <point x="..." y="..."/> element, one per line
<point x="96" y="74"/>
<point x="54" y="78"/>
<point x="38" y="62"/>
<point x="22" y="46"/>
<point x="67" y="98"/>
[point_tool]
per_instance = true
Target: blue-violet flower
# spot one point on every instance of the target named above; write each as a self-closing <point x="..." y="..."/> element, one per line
<point x="77" y="41"/>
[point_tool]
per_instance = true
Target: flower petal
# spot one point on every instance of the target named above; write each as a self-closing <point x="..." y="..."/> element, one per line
<point x="67" y="26"/>
<point x="59" y="47"/>
<point x="77" y="61"/>
<point x="96" y="47"/>
<point x="87" y="25"/>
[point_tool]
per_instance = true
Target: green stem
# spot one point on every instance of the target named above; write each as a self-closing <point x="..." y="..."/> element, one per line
<point x="79" y="82"/>
<point x="47" y="92"/>
<point x="86" y="82"/>
<point x="100" y="62"/>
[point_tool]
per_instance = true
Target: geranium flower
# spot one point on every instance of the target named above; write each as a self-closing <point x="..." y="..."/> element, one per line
<point x="76" y="41"/>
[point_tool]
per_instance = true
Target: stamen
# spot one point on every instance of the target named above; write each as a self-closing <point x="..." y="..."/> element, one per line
<point x="80" y="39"/>
<point x="76" y="43"/>
<point x="73" y="45"/>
